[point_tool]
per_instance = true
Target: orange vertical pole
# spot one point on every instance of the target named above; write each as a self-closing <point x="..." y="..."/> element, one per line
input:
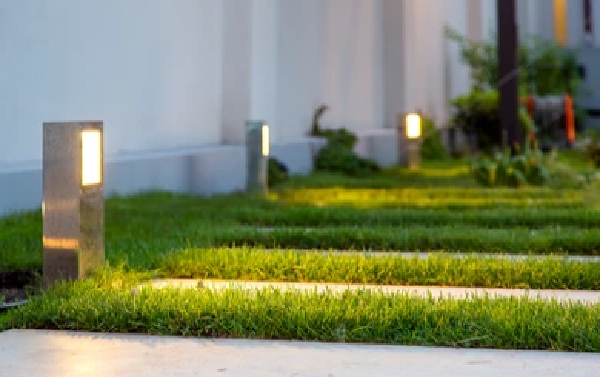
<point x="570" y="120"/>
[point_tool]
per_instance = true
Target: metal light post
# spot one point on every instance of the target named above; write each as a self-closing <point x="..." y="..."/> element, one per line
<point x="73" y="200"/>
<point x="258" y="149"/>
<point x="410" y="128"/>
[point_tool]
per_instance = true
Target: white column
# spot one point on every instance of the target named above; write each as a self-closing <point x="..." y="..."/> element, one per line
<point x="575" y="23"/>
<point x="596" y="22"/>
<point x="490" y="18"/>
<point x="425" y="58"/>
<point x="264" y="64"/>
<point x="459" y="18"/>
<point x="394" y="43"/>
<point x="249" y="66"/>
<point x="527" y="17"/>
<point x="475" y="21"/>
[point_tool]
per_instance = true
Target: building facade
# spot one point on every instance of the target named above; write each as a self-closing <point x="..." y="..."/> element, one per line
<point x="174" y="81"/>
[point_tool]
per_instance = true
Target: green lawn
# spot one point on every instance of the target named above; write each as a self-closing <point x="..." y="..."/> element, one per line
<point x="113" y="304"/>
<point x="438" y="209"/>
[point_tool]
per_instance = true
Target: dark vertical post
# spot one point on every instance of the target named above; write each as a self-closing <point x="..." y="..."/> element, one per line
<point x="508" y="80"/>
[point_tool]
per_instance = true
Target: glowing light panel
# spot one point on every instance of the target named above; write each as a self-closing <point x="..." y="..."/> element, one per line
<point x="265" y="140"/>
<point x="413" y="126"/>
<point x="91" y="152"/>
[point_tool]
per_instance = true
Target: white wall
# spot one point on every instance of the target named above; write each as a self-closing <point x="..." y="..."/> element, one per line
<point x="433" y="70"/>
<point x="329" y="52"/>
<point x="149" y="68"/>
<point x="183" y="73"/>
<point x="596" y="26"/>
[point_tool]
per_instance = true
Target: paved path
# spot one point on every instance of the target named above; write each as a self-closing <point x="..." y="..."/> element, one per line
<point x="458" y="293"/>
<point x="66" y="354"/>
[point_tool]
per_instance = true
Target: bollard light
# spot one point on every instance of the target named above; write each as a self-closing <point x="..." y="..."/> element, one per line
<point x="265" y="140"/>
<point x="258" y="150"/>
<point x="410" y="133"/>
<point x="73" y="200"/>
<point x="413" y="126"/>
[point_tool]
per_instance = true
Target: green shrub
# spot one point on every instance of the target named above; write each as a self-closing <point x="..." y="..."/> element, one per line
<point x="277" y="172"/>
<point x="477" y="114"/>
<point x="316" y="124"/>
<point x="545" y="68"/>
<point x="531" y="167"/>
<point x="433" y="147"/>
<point x="528" y="168"/>
<point x="338" y="155"/>
<point x="593" y="149"/>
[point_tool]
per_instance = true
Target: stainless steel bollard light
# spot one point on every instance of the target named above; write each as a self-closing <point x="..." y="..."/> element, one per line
<point x="73" y="200"/>
<point x="410" y="127"/>
<point x="258" y="149"/>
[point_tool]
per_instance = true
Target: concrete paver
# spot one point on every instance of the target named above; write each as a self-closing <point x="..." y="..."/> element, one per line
<point x="455" y="293"/>
<point x="27" y="353"/>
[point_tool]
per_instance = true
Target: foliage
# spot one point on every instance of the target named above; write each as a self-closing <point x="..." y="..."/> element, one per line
<point x="527" y="168"/>
<point x="478" y="115"/>
<point x="364" y="316"/>
<point x="365" y="268"/>
<point x="432" y="147"/>
<point x="277" y="172"/>
<point x="316" y="129"/>
<point x="530" y="167"/>
<point x="593" y="149"/>
<point x="545" y="68"/>
<point x="338" y="155"/>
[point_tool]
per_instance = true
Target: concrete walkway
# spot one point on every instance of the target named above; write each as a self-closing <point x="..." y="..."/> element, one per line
<point x="66" y="354"/>
<point x="456" y="293"/>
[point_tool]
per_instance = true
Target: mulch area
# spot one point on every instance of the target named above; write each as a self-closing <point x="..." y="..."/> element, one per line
<point x="14" y="285"/>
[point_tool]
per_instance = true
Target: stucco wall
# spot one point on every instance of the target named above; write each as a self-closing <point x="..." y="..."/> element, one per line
<point x="149" y="68"/>
<point x="329" y="51"/>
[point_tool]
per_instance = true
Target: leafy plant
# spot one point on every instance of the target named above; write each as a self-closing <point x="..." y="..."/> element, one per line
<point x="316" y="129"/>
<point x="432" y="147"/>
<point x="478" y="115"/>
<point x="545" y="68"/>
<point x="277" y="172"/>
<point x="338" y="158"/>
<point x="530" y="167"/>
<point x="593" y="149"/>
<point x="338" y="155"/>
<point x="504" y="169"/>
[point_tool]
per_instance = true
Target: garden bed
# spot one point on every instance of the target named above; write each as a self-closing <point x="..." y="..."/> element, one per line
<point x="15" y="287"/>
